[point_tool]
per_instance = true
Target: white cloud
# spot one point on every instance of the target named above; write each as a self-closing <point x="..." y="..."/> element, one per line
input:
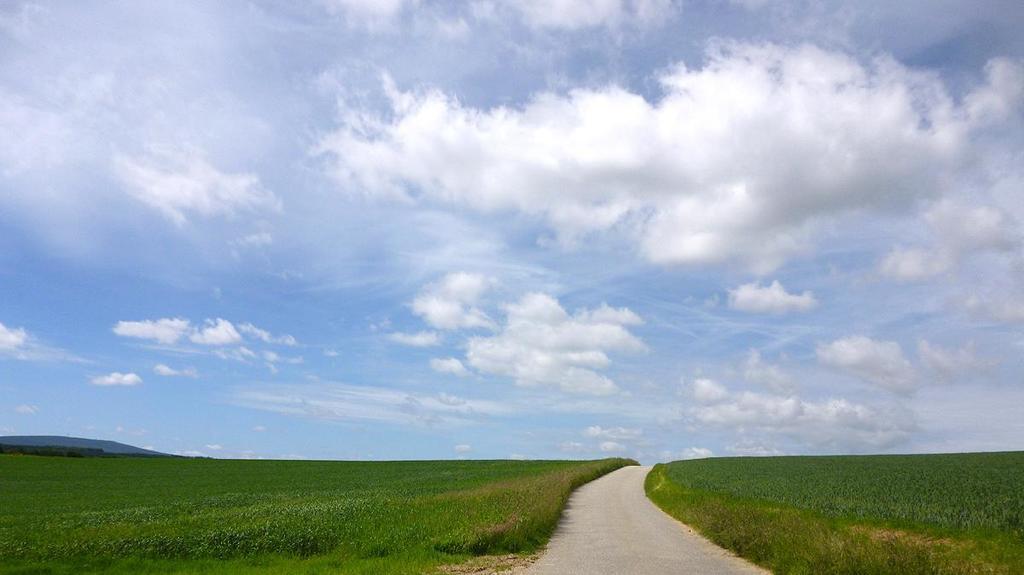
<point x="879" y="362"/>
<point x="751" y="448"/>
<point x="960" y="230"/>
<point x="696" y="453"/>
<point x="371" y="13"/>
<point x="181" y="182"/>
<point x="241" y="353"/>
<point x="834" y="424"/>
<point x="26" y="409"/>
<point x="418" y="339"/>
<point x="579" y="14"/>
<point x="541" y="344"/>
<point x="755" y="298"/>
<point x="265" y="336"/>
<point x="611" y="446"/>
<point x="463" y="448"/>
<point x="911" y="264"/>
<point x="216" y="332"/>
<point x="213" y="332"/>
<point x="259" y="428"/>
<point x="950" y="364"/>
<point x="272" y="359"/>
<point x="451" y="302"/>
<point x="617" y="433"/>
<point x="725" y="166"/>
<point x="756" y="370"/>
<point x="165" y="331"/>
<point x="449" y="365"/>
<point x="707" y="391"/>
<point x="164" y="370"/>
<point x="17" y="343"/>
<point x="965" y="228"/>
<point x="12" y="338"/>
<point x="1007" y="309"/>
<point x="116" y="378"/>
<point x="214" y="447"/>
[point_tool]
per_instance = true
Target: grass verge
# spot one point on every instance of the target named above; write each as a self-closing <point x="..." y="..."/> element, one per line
<point x="64" y="515"/>
<point x="790" y="527"/>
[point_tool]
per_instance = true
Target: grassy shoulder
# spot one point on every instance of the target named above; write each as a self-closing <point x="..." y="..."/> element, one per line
<point x="65" y="515"/>
<point x="852" y="515"/>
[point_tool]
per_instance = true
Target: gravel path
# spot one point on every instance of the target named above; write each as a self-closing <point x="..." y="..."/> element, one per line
<point x="610" y="527"/>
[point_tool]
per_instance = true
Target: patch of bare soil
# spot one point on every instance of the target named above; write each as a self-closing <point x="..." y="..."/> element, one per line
<point x="510" y="564"/>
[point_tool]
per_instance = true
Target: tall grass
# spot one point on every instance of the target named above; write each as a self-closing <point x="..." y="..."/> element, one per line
<point x="138" y="515"/>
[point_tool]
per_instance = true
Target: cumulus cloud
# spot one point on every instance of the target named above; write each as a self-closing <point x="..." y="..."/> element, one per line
<point x="265" y="336"/>
<point x="463" y="448"/>
<point x="166" y="371"/>
<point x="723" y="166"/>
<point x="451" y="302"/>
<point x="371" y="13"/>
<point x="542" y="344"/>
<point x="911" y="264"/>
<point x="879" y="362"/>
<point x="834" y="424"/>
<point x="116" y="378"/>
<point x="756" y="370"/>
<point x="179" y="183"/>
<point x="449" y="365"/>
<point x="611" y="446"/>
<point x="216" y="332"/>
<point x="17" y="343"/>
<point x="1006" y="308"/>
<point x="959" y="230"/>
<point x="773" y="298"/>
<point x="240" y="353"/>
<point x="616" y="433"/>
<point x="580" y="14"/>
<point x="949" y="364"/>
<point x="695" y="453"/>
<point x="166" y="331"/>
<point x="12" y="339"/>
<point x="705" y="390"/>
<point x="418" y="339"/>
<point x="26" y="409"/>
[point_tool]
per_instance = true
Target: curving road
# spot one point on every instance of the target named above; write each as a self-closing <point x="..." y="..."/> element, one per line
<point x="610" y="527"/>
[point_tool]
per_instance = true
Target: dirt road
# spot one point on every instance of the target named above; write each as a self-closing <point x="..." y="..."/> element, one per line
<point x="610" y="527"/>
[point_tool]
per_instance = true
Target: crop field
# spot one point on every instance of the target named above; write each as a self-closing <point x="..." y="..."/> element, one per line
<point x="956" y="513"/>
<point x="70" y="515"/>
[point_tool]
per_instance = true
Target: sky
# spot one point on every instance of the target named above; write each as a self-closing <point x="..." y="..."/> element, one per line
<point x="418" y="229"/>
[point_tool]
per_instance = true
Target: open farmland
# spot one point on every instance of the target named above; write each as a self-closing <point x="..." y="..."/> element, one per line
<point x="957" y="513"/>
<point x="66" y="515"/>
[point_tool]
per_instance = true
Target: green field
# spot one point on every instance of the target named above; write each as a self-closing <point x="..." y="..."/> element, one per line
<point x="74" y="515"/>
<point x="957" y="513"/>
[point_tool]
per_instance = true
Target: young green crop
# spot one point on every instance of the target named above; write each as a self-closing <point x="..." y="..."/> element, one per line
<point x="975" y="491"/>
<point x="951" y="513"/>
<point x="164" y="515"/>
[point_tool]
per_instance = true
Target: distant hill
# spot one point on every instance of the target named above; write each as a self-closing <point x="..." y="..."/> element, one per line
<point x="88" y="446"/>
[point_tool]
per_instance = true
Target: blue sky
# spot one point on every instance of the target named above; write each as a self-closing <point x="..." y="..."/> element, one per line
<point x="490" y="229"/>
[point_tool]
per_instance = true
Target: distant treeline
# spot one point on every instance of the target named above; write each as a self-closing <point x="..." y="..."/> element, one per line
<point x="63" y="451"/>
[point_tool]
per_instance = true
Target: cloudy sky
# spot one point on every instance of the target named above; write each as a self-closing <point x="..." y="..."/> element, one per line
<point x="497" y="228"/>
